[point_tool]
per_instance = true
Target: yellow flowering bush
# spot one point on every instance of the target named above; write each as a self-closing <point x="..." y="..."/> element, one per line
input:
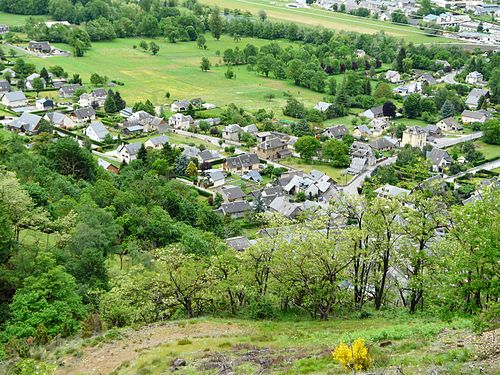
<point x="354" y="358"/>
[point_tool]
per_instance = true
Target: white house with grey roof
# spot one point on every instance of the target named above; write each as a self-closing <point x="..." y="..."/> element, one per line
<point x="85" y="114"/>
<point x="14" y="99"/>
<point x="322" y="106"/>
<point x="128" y="152"/>
<point x="390" y="191"/>
<point x="215" y="177"/>
<point x="180" y="121"/>
<point x="337" y="131"/>
<point x="473" y="100"/>
<point x="374" y="112"/>
<point x="449" y="124"/>
<point x="439" y="158"/>
<point x="470" y="117"/>
<point x="180" y="106"/>
<point x="96" y="131"/>
<point x="242" y="163"/>
<point x="156" y="143"/>
<point x="67" y="91"/>
<point x="232" y="132"/>
<point x="283" y="206"/>
<point x="28" y="123"/>
<point x="474" y="78"/>
<point x="60" y="120"/>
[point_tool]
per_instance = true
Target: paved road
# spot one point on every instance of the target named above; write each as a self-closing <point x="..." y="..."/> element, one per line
<point x="486" y="166"/>
<point x="448" y="142"/>
<point x="450" y="78"/>
<point x="352" y="187"/>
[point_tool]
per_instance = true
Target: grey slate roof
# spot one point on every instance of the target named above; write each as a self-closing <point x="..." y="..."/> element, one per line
<point x="243" y="160"/>
<point x="82" y="113"/>
<point x="15" y="96"/>
<point x="133" y="148"/>
<point x="477" y="114"/>
<point x="99" y="129"/>
<point x="437" y="155"/>
<point x="160" y="140"/>
<point x="233" y="192"/>
<point x="239" y="243"/>
<point x="28" y="121"/>
<point x="235" y="207"/>
<point x="4" y="85"/>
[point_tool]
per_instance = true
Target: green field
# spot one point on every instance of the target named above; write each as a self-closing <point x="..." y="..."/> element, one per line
<point x="489" y="151"/>
<point x="334" y="173"/>
<point x="16" y="19"/>
<point x="176" y="70"/>
<point x="277" y="10"/>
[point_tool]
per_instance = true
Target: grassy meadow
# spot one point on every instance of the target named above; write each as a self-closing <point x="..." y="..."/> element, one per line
<point x="277" y="10"/>
<point x="17" y="19"/>
<point x="291" y="346"/>
<point x="176" y="69"/>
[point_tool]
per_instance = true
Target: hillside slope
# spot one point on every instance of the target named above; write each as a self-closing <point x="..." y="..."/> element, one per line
<point x="208" y="346"/>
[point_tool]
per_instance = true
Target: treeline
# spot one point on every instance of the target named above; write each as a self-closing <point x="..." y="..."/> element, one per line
<point x="81" y="217"/>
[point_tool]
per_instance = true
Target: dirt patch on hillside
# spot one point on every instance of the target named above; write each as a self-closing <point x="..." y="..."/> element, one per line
<point x="109" y="356"/>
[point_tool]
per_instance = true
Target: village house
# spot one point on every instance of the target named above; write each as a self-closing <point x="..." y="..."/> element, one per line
<point x="414" y="136"/>
<point x="470" y="117"/>
<point x="4" y="87"/>
<point x="393" y="76"/>
<point x="95" y="99"/>
<point x="67" y="91"/>
<point x="232" y="193"/>
<point x="242" y="163"/>
<point x="215" y="177"/>
<point x="322" y="106"/>
<point x="108" y="166"/>
<point x="375" y="112"/>
<point x="180" y="121"/>
<point x="390" y="191"/>
<point x="473" y="100"/>
<point x="44" y="104"/>
<point x="263" y="136"/>
<point x="337" y="131"/>
<point x="208" y="156"/>
<point x="190" y="152"/>
<point x="96" y="131"/>
<point x="428" y="79"/>
<point x="81" y="115"/>
<point x="238" y="243"/>
<point x="474" y="78"/>
<point x="4" y="29"/>
<point x="180" y="106"/>
<point x="382" y="144"/>
<point x="156" y="143"/>
<point x="133" y="130"/>
<point x="433" y="132"/>
<point x="314" y="184"/>
<point x="439" y="158"/>
<point x="147" y="121"/>
<point x="378" y="125"/>
<point x="232" y="132"/>
<point x="128" y="152"/>
<point x="59" y="119"/>
<point x="253" y="176"/>
<point x="250" y="129"/>
<point x="410" y="88"/>
<point x="28" y="123"/>
<point x="14" y="99"/>
<point x="272" y="149"/>
<point x="449" y="125"/>
<point x="235" y="210"/>
<point x="29" y="81"/>
<point x="361" y="131"/>
<point x="283" y="206"/>
<point x="39" y="47"/>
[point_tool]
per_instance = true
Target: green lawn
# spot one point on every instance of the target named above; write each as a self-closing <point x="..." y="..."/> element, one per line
<point x="277" y="10"/>
<point x="176" y="70"/>
<point x="17" y="19"/>
<point x="489" y="151"/>
<point x="334" y="173"/>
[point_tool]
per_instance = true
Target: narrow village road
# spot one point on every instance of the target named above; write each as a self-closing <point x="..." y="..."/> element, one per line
<point x="486" y="166"/>
<point x="352" y="187"/>
<point x="448" y="142"/>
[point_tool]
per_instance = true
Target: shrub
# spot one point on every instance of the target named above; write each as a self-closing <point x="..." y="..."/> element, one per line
<point x="354" y="358"/>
